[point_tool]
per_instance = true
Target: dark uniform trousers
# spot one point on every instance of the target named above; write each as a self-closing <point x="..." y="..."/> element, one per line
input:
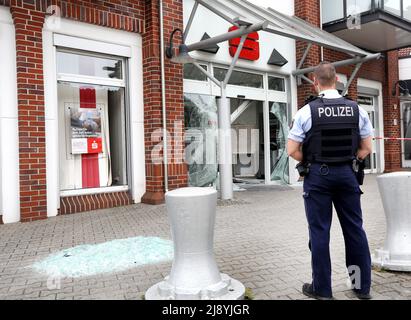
<point x="323" y="187"/>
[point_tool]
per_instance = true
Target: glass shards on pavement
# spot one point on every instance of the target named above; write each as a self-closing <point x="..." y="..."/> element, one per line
<point x="107" y="257"/>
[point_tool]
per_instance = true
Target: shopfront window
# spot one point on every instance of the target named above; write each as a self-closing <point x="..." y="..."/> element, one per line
<point x="191" y="72"/>
<point x="92" y="123"/>
<point x="276" y="84"/>
<point x="240" y="78"/>
<point x="278" y="142"/>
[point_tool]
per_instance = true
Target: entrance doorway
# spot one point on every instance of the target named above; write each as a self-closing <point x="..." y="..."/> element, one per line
<point x="259" y="141"/>
<point x="369" y="105"/>
<point x="247" y="121"/>
<point x="406" y="133"/>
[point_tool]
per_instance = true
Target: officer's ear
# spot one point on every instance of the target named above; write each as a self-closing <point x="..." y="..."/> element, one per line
<point x="316" y="84"/>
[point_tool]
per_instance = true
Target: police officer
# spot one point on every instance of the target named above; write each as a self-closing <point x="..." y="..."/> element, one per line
<point x="328" y="134"/>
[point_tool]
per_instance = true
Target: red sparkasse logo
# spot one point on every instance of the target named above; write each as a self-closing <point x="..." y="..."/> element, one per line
<point x="251" y="48"/>
<point x="94" y="145"/>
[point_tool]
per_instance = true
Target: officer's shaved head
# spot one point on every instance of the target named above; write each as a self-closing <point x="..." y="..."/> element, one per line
<point x="325" y="74"/>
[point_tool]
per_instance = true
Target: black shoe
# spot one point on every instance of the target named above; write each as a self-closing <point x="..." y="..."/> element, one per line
<point x="362" y="296"/>
<point x="309" y="292"/>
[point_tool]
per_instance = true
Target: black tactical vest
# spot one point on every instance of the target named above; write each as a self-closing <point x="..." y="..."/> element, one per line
<point x="334" y="137"/>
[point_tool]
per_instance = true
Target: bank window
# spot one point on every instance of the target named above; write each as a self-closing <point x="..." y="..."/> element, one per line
<point x="191" y="72"/>
<point x="366" y="101"/>
<point x="85" y="65"/>
<point x="92" y="122"/>
<point x="275" y="83"/>
<point x="240" y="78"/>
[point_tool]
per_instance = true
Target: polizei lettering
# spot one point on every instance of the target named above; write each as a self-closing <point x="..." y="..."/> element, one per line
<point x="340" y="111"/>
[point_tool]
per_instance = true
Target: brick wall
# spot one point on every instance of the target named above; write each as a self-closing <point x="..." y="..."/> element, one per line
<point x="392" y="113"/>
<point x="139" y="16"/>
<point x="90" y="202"/>
<point x="173" y="18"/>
<point x="384" y="70"/>
<point x="309" y="10"/>
<point x="28" y="20"/>
<point x="405" y="52"/>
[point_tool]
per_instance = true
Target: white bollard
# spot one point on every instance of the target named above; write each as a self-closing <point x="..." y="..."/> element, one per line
<point x="395" y="190"/>
<point x="194" y="274"/>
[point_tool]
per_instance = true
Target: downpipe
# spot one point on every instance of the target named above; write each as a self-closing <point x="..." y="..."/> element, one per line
<point x="163" y="97"/>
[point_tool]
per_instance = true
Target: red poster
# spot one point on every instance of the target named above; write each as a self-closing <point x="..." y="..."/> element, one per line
<point x="89" y="162"/>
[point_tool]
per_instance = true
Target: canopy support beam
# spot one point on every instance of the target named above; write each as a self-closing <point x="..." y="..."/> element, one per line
<point x="354" y="73"/>
<point x="306" y="79"/>
<point x="341" y="63"/>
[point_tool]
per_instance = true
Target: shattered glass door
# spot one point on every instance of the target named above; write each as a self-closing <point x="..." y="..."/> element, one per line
<point x="201" y="124"/>
<point x="278" y="142"/>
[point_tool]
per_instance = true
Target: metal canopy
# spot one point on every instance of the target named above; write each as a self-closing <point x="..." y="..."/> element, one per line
<point x="239" y="12"/>
<point x="250" y="17"/>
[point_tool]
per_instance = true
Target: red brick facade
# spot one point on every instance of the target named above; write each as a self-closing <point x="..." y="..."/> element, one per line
<point x="28" y="21"/>
<point x="384" y="70"/>
<point x="137" y="16"/>
<point x="308" y="10"/>
<point x="392" y="114"/>
<point x="90" y="202"/>
<point x="405" y="52"/>
<point x="177" y="172"/>
<point x="142" y="16"/>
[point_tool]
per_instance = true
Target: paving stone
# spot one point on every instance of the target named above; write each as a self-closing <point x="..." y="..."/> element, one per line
<point x="260" y="239"/>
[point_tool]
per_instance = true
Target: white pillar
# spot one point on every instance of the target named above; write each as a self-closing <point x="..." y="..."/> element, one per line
<point x="225" y="152"/>
<point x="9" y="140"/>
<point x="395" y="193"/>
<point x="194" y="274"/>
<point x="52" y="126"/>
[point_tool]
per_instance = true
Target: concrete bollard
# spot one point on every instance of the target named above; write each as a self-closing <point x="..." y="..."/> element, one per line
<point x="194" y="273"/>
<point x="395" y="190"/>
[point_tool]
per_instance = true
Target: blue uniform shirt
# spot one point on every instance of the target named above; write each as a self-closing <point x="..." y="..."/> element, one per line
<point x="302" y="121"/>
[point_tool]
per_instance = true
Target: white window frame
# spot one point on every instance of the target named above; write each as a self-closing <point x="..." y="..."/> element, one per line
<point x="374" y="155"/>
<point x="9" y="137"/>
<point x="78" y="78"/>
<point x="378" y="103"/>
<point x="86" y="37"/>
